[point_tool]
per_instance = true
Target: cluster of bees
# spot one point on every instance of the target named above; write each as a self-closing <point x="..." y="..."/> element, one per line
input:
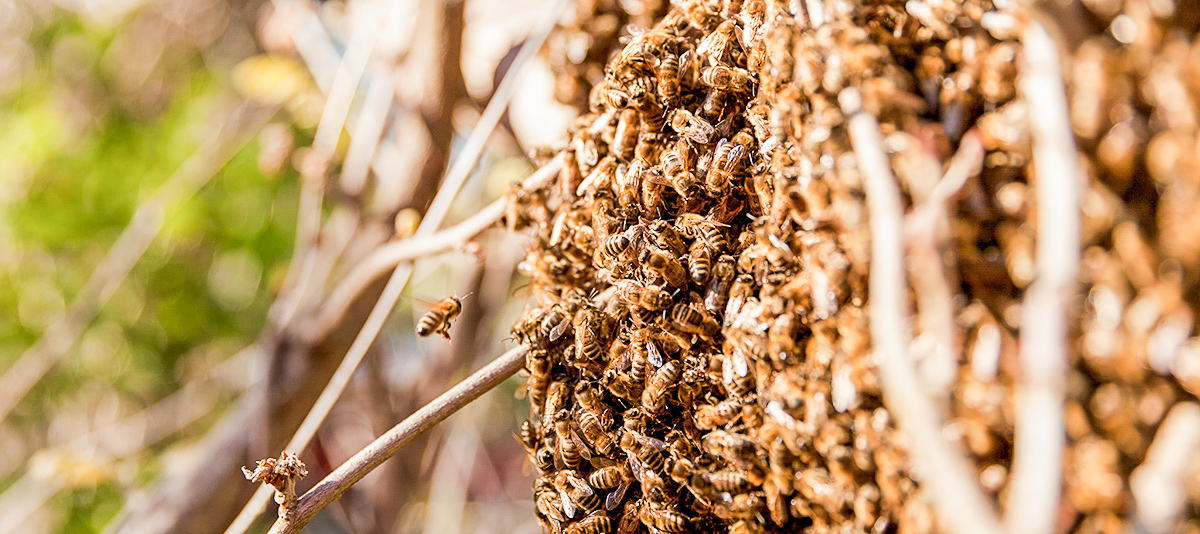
<point x="699" y="344"/>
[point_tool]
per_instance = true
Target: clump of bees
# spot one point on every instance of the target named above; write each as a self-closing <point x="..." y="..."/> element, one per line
<point x="699" y="346"/>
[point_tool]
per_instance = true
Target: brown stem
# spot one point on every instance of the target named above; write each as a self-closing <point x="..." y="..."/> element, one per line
<point x="399" y="436"/>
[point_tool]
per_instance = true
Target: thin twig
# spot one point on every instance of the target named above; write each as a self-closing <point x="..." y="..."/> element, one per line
<point x="927" y="229"/>
<point x="399" y="436"/>
<point x="958" y="501"/>
<point x="387" y="257"/>
<point x="1159" y="484"/>
<point x="232" y="132"/>
<point x="1039" y="436"/>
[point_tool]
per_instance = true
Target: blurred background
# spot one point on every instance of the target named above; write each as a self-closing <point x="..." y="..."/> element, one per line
<point x="169" y="244"/>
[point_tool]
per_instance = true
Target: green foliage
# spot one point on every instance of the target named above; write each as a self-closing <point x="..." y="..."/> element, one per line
<point x="77" y="162"/>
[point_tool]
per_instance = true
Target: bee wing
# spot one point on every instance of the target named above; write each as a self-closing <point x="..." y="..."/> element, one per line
<point x="653" y="355"/>
<point x="656" y="444"/>
<point x="635" y="465"/>
<point x="568" y="505"/>
<point x="581" y="485"/>
<point x="613" y="500"/>
<point x="558" y="331"/>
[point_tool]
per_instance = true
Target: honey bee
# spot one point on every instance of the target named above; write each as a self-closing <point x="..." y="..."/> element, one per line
<point x="675" y="167"/>
<point x="725" y="78"/>
<point x="742" y="289"/>
<point x="697" y="226"/>
<point x="538" y="363"/>
<point x="553" y="322"/>
<point x="737" y="449"/>
<point x="543" y="460"/>
<point x="725" y="163"/>
<point x="668" y="79"/>
<point x="556" y="399"/>
<point x="745" y="506"/>
<point x="689" y="319"/>
<point x="595" y="523"/>
<point x="662" y="519"/>
<point x="528" y="436"/>
<point x="725" y="480"/>
<point x="614" y="477"/>
<point x="698" y="14"/>
<point x="644" y="452"/>
<point x="438" y="318"/>
<point x="688" y="125"/>
<point x="568" y="449"/>
<point x="666" y="237"/>
<point x="717" y="295"/>
<point x="587" y="341"/>
<point x="699" y="262"/>
<point x="667" y="267"/>
<point x="575" y="493"/>
<point x="625" y="138"/>
<point x="655" y="395"/>
<point x="710" y="416"/>
<point x="594" y="431"/>
<point x="616" y="247"/>
<point x="719" y="43"/>
<point x="547" y="501"/>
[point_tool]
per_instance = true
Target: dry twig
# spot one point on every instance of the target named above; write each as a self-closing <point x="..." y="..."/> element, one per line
<point x="1039" y="437"/>
<point x="399" y="436"/>
<point x="1158" y="485"/>
<point x="958" y="500"/>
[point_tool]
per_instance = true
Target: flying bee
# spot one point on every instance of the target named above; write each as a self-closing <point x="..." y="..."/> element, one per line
<point x="662" y="519"/>
<point x="595" y="523"/>
<point x="675" y="167"/>
<point x="625" y="138"/>
<point x="438" y="318"/>
<point x="688" y="125"/>
<point x="717" y="295"/>
<point x="666" y="267"/>
<point x="710" y="416"/>
<point x="699" y="262"/>
<point x="725" y="78"/>
<point x="689" y="319"/>
<point x="654" y="397"/>
<point x="725" y="163"/>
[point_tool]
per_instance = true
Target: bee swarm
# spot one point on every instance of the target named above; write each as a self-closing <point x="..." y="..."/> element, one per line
<point x="700" y="353"/>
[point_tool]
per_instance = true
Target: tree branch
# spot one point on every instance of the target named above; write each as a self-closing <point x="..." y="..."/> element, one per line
<point x="1040" y="435"/>
<point x="400" y="435"/>
<point x="959" y="502"/>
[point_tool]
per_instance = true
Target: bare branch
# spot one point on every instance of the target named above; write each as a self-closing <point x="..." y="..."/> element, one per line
<point x="399" y="436"/>
<point x="959" y="502"/>
<point x="387" y="257"/>
<point x="1158" y="485"/>
<point x="1040" y="435"/>
<point x="927" y="229"/>
<point x="232" y="131"/>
